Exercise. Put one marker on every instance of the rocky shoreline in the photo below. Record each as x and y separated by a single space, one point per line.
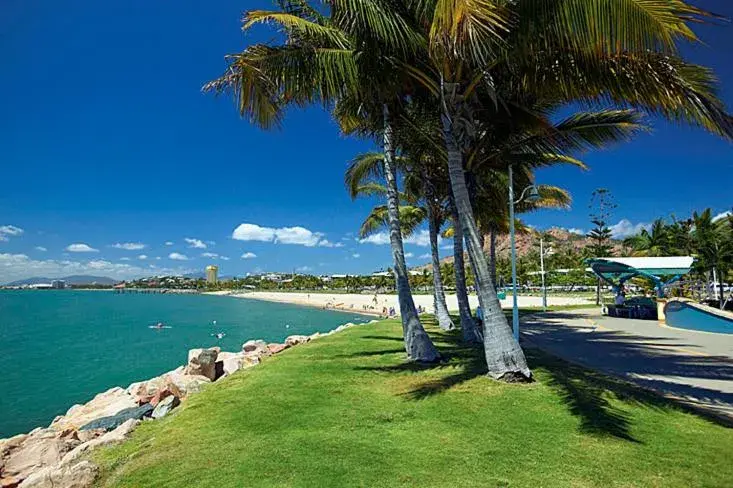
52 457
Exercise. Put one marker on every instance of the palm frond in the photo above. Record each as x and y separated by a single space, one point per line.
315 33
362 169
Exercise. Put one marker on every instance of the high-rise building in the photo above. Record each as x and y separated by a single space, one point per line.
212 274
58 284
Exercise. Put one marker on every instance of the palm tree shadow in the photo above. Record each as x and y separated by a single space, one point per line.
585 394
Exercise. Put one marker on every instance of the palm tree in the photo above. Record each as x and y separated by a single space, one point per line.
419 188
714 244
326 58
654 243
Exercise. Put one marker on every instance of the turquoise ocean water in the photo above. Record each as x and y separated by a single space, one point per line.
58 348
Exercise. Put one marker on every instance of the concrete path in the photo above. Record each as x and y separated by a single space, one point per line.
693 367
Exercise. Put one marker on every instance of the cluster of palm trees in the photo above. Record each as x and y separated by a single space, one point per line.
457 91
708 239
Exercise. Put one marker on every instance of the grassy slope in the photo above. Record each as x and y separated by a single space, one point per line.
348 411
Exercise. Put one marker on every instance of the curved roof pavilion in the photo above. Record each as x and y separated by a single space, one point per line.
661 270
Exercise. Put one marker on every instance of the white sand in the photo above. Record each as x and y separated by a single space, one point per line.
357 303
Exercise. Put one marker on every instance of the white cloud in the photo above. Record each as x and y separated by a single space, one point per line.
124 259
168 243
9 230
409 255
41 248
176 256
195 243
224 258
625 228
297 235
209 255
420 238
327 243
18 266
142 257
80 247
253 232
157 258
574 230
356 255
304 269
425 256
379 239
249 255
129 246
722 215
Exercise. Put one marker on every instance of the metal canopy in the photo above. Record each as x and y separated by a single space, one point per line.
661 270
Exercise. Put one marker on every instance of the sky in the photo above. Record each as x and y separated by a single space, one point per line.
114 163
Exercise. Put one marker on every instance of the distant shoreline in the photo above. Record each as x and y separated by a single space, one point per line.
365 303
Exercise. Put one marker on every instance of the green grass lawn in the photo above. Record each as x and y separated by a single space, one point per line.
347 410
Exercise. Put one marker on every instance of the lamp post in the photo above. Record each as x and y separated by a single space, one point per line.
534 196
542 271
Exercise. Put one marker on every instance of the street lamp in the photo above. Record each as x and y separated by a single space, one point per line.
542 268
533 196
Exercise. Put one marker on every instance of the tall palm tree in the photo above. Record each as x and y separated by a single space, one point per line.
714 246
419 203
325 58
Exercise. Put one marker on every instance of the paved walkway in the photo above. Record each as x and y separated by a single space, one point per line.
694 367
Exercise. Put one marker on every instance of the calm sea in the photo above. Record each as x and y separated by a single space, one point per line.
58 348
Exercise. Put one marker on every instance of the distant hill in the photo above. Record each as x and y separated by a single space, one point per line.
70 280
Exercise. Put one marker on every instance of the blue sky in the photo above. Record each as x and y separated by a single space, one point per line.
106 138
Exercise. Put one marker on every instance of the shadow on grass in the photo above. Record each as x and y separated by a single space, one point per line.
587 394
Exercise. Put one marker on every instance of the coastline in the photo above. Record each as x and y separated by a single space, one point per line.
367 305
55 454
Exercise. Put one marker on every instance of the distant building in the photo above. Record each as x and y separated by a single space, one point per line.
212 274
58 284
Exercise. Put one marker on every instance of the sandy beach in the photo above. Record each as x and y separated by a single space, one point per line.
369 304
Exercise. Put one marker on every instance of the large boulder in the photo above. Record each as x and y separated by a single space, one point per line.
165 406
186 383
114 421
294 340
253 346
276 348
202 362
42 448
105 404
230 362
144 391
118 435
80 475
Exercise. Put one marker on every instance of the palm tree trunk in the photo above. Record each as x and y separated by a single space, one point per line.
441 308
418 345
492 255
468 325
504 357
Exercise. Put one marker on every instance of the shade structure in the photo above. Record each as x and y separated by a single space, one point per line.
661 270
